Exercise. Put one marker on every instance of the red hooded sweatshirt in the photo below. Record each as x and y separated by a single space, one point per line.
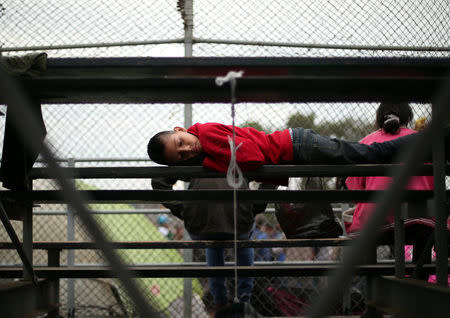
257 148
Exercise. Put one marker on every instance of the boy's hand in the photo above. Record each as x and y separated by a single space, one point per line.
166 184
420 124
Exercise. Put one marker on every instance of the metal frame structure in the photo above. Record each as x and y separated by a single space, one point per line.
162 196
191 80
280 80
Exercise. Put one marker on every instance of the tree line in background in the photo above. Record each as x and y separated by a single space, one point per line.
347 128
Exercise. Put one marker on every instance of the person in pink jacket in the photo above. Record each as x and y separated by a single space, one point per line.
391 120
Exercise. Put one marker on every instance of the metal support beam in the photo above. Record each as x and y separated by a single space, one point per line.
403 297
23 299
27 237
260 196
188 18
54 261
71 253
27 264
440 207
266 79
285 243
399 244
268 171
170 271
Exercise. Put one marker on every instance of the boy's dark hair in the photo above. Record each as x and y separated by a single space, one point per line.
390 116
156 147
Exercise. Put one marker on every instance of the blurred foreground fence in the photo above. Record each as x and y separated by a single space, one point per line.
272 296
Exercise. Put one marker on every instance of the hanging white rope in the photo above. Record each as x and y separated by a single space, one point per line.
234 173
233 168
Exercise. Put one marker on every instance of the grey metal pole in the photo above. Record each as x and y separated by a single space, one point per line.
399 242
70 253
27 236
440 209
27 264
188 50
188 20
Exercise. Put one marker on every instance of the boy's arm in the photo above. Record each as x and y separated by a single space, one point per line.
166 184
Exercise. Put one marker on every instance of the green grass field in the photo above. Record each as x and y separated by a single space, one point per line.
138 227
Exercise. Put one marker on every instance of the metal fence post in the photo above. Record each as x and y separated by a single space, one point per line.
187 255
70 254
27 237
399 241
440 209
346 289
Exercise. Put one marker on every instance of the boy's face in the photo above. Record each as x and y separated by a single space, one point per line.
181 146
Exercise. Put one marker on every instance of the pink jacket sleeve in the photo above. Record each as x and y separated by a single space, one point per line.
356 183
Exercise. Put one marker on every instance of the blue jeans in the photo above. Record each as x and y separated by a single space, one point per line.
312 148
215 257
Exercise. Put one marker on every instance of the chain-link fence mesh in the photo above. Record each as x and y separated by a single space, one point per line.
274 28
116 135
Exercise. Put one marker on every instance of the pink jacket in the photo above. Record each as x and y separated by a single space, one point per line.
363 210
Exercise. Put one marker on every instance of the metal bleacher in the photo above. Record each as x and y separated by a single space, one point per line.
191 80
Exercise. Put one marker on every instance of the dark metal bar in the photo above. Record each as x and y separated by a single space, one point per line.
54 261
402 297
170 271
188 244
287 243
71 253
27 237
188 20
16 243
440 207
267 89
190 80
258 65
399 243
53 256
268 171
260 196
25 299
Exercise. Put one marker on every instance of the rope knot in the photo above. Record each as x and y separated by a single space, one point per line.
230 77
233 168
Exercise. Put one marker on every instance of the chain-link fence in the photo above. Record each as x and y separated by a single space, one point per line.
117 134
244 28
272 296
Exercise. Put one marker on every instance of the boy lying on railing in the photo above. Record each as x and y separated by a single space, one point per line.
208 144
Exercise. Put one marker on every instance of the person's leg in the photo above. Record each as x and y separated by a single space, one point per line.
215 257
245 257
312 148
